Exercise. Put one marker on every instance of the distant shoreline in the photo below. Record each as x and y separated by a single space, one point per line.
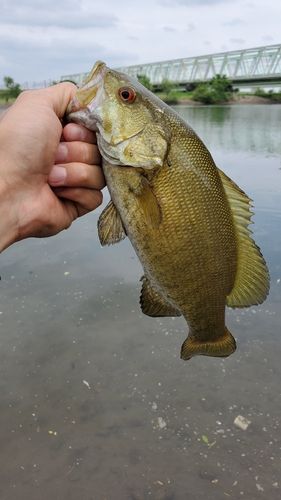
235 101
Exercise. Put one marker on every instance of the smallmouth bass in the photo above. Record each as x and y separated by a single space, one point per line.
187 221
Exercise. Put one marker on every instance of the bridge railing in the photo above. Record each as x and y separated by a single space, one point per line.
262 64
240 65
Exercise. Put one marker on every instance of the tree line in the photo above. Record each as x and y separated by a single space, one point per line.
12 90
218 89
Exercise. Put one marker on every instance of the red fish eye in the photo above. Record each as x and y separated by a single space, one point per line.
127 94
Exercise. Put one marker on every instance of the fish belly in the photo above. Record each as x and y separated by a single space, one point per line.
188 251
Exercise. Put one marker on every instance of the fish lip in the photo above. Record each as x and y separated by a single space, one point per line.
76 105
95 76
82 119
72 107
94 79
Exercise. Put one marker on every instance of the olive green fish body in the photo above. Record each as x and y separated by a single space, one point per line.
186 220
173 245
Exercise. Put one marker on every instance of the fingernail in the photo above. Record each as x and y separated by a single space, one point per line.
76 132
57 175
61 153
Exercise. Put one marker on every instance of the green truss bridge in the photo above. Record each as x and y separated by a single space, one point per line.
249 68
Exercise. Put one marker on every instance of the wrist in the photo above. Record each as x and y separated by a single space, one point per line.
8 190
9 223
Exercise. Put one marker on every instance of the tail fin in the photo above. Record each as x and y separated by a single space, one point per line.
221 347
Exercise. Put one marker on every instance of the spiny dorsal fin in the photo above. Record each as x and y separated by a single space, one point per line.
153 304
110 227
251 285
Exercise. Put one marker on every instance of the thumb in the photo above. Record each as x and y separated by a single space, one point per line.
59 96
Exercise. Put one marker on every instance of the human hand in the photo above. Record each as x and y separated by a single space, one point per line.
45 184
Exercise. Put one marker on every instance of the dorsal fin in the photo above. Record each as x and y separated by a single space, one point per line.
251 284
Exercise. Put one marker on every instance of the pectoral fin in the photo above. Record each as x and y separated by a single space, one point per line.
153 304
110 227
148 206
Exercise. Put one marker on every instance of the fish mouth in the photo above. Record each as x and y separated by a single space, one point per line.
96 74
88 97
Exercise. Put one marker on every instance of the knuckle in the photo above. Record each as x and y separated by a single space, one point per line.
85 176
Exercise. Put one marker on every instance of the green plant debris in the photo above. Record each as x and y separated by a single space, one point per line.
206 440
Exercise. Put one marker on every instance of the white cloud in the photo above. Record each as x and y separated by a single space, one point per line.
189 3
69 14
233 22
191 27
237 40
44 39
169 29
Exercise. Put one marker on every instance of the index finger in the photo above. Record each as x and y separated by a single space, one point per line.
76 132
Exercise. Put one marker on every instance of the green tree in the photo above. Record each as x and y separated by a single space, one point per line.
167 86
145 81
261 93
13 89
218 89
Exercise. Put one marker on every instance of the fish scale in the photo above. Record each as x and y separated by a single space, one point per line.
187 221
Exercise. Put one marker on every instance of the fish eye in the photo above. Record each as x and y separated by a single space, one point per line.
127 94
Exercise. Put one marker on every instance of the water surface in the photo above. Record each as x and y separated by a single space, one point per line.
70 315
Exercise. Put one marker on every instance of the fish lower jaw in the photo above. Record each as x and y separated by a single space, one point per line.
82 119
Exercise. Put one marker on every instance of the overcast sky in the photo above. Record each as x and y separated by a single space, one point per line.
45 39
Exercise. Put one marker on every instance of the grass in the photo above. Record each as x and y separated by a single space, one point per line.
274 96
3 98
175 96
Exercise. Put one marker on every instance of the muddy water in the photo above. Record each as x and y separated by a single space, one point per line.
95 401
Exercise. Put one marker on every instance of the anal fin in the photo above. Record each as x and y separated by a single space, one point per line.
153 304
110 227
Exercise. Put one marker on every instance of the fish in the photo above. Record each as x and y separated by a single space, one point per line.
186 219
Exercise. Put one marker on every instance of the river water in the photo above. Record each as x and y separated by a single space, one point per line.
95 401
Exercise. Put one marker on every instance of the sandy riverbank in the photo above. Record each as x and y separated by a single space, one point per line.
235 100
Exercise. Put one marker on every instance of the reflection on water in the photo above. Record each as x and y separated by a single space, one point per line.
70 315
220 127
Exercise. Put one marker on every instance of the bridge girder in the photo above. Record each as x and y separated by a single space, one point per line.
258 65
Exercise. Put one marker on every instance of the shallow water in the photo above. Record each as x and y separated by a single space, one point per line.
70 315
